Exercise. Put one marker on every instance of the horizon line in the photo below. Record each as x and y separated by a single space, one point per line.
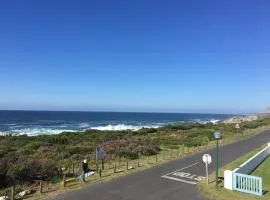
104 111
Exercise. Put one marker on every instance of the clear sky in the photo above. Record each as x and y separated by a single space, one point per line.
135 55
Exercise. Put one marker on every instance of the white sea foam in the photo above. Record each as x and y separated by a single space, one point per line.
122 127
213 121
39 131
84 125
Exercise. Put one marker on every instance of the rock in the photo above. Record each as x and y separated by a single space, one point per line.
4 198
23 193
239 119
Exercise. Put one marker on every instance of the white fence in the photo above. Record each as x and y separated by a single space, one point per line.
233 182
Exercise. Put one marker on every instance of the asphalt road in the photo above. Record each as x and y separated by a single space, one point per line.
173 180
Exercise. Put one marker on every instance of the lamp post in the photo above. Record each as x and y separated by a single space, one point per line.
217 137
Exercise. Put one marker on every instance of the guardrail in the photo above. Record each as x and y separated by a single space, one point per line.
248 166
248 184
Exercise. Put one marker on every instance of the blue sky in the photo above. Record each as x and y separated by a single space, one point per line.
162 56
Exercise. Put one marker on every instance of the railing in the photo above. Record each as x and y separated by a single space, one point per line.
248 184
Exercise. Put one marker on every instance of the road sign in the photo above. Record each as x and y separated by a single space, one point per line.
217 135
100 153
207 159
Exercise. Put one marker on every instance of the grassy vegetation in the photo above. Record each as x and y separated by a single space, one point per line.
24 159
211 192
264 171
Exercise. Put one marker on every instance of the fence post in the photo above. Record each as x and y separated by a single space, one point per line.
96 165
12 193
114 167
64 180
127 164
73 169
164 156
61 171
40 187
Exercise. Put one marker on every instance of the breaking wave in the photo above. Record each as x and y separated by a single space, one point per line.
122 127
38 131
41 129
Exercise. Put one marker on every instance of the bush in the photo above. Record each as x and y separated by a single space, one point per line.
196 141
176 127
145 131
33 145
81 150
58 139
32 169
173 146
128 154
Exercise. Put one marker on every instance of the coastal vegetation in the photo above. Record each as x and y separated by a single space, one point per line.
24 159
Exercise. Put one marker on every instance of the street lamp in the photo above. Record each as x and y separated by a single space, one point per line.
217 137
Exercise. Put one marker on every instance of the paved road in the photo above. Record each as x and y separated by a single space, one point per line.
174 180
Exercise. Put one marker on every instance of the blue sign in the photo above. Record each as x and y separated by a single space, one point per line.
100 153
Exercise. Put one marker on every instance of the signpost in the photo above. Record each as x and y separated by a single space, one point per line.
207 159
237 128
100 155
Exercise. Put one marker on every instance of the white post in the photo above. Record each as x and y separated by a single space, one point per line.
228 179
207 178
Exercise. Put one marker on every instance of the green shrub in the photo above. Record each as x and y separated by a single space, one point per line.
58 139
195 141
173 146
33 145
128 154
145 131
81 150
32 169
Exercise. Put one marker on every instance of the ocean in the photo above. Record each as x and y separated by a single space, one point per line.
55 122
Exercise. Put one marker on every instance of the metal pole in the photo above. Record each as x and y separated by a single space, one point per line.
217 165
40 185
207 178
73 169
12 193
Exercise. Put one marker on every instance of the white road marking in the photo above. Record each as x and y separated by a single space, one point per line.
185 175
181 180
182 168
